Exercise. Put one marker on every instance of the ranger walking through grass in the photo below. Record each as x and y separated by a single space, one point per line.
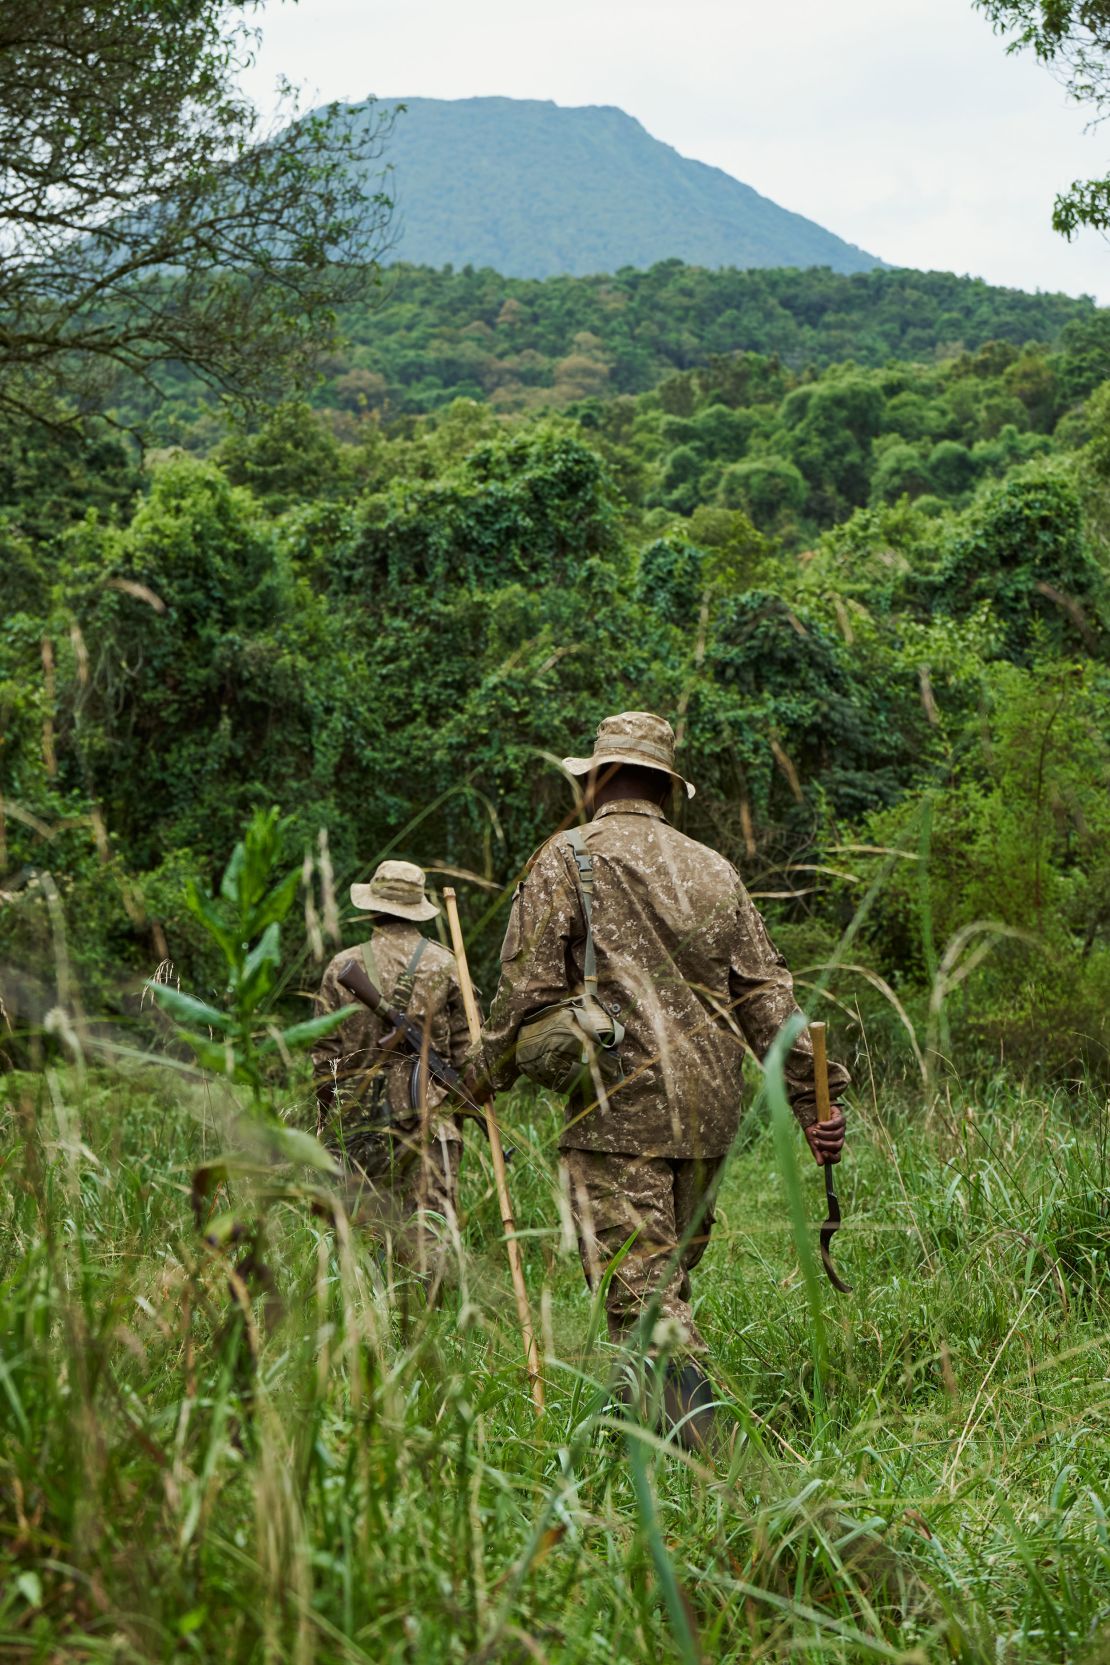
371 1094
629 933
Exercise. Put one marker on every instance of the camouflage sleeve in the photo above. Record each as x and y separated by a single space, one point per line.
763 991
329 1048
543 920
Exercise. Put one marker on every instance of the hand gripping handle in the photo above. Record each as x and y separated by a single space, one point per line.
824 1114
821 1072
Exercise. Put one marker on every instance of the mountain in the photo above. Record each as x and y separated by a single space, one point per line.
534 189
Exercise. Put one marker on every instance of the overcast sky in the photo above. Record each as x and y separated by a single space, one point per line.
900 125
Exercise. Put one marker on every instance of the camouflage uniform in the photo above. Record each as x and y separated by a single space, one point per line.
400 1170
684 954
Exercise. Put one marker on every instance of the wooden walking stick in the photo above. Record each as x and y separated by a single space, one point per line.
824 1112
497 1157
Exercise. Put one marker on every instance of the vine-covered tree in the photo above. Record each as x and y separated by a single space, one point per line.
146 220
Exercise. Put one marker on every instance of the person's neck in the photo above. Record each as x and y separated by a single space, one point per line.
606 796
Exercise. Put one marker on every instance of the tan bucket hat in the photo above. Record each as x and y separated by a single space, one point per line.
397 888
638 737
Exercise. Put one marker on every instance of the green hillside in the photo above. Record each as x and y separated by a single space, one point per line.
533 189
519 344
440 335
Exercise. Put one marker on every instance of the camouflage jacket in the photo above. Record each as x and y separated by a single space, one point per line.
349 1056
684 954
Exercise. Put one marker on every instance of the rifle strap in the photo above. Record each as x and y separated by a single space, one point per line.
406 983
584 863
401 996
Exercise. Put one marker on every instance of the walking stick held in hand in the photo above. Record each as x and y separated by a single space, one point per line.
824 1112
497 1157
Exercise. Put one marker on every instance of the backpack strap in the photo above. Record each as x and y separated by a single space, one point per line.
370 963
584 862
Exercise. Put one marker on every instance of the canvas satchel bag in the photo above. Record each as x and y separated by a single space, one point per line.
577 1040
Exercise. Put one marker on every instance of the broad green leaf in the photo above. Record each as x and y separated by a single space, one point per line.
185 1008
215 1056
211 1174
257 977
229 884
312 1029
293 1145
276 905
262 848
204 908
29 1586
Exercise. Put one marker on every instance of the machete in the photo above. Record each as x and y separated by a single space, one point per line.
824 1112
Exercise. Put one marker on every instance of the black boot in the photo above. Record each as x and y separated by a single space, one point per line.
688 1404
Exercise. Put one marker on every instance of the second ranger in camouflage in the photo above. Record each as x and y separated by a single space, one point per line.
369 1109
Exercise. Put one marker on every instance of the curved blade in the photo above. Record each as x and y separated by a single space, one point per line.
831 1224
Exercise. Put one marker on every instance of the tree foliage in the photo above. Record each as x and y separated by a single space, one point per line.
146 221
735 339
1073 38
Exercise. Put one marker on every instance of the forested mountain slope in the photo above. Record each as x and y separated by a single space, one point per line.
438 335
533 188
517 345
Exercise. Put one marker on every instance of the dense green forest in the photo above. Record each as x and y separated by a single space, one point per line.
873 596
432 337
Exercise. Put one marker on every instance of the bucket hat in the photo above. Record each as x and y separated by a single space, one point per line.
637 737
397 888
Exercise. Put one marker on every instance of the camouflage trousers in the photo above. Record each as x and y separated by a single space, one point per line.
656 1198
406 1192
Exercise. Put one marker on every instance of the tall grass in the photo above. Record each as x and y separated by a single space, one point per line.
350 1476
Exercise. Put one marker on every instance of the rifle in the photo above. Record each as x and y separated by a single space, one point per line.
355 981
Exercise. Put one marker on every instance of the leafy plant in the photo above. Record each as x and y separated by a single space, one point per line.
243 1040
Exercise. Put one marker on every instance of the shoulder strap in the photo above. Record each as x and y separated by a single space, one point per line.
584 862
370 964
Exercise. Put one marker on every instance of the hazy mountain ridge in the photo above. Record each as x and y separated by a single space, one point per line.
535 189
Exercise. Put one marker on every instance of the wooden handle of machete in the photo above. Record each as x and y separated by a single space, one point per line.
821 1071
497 1157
